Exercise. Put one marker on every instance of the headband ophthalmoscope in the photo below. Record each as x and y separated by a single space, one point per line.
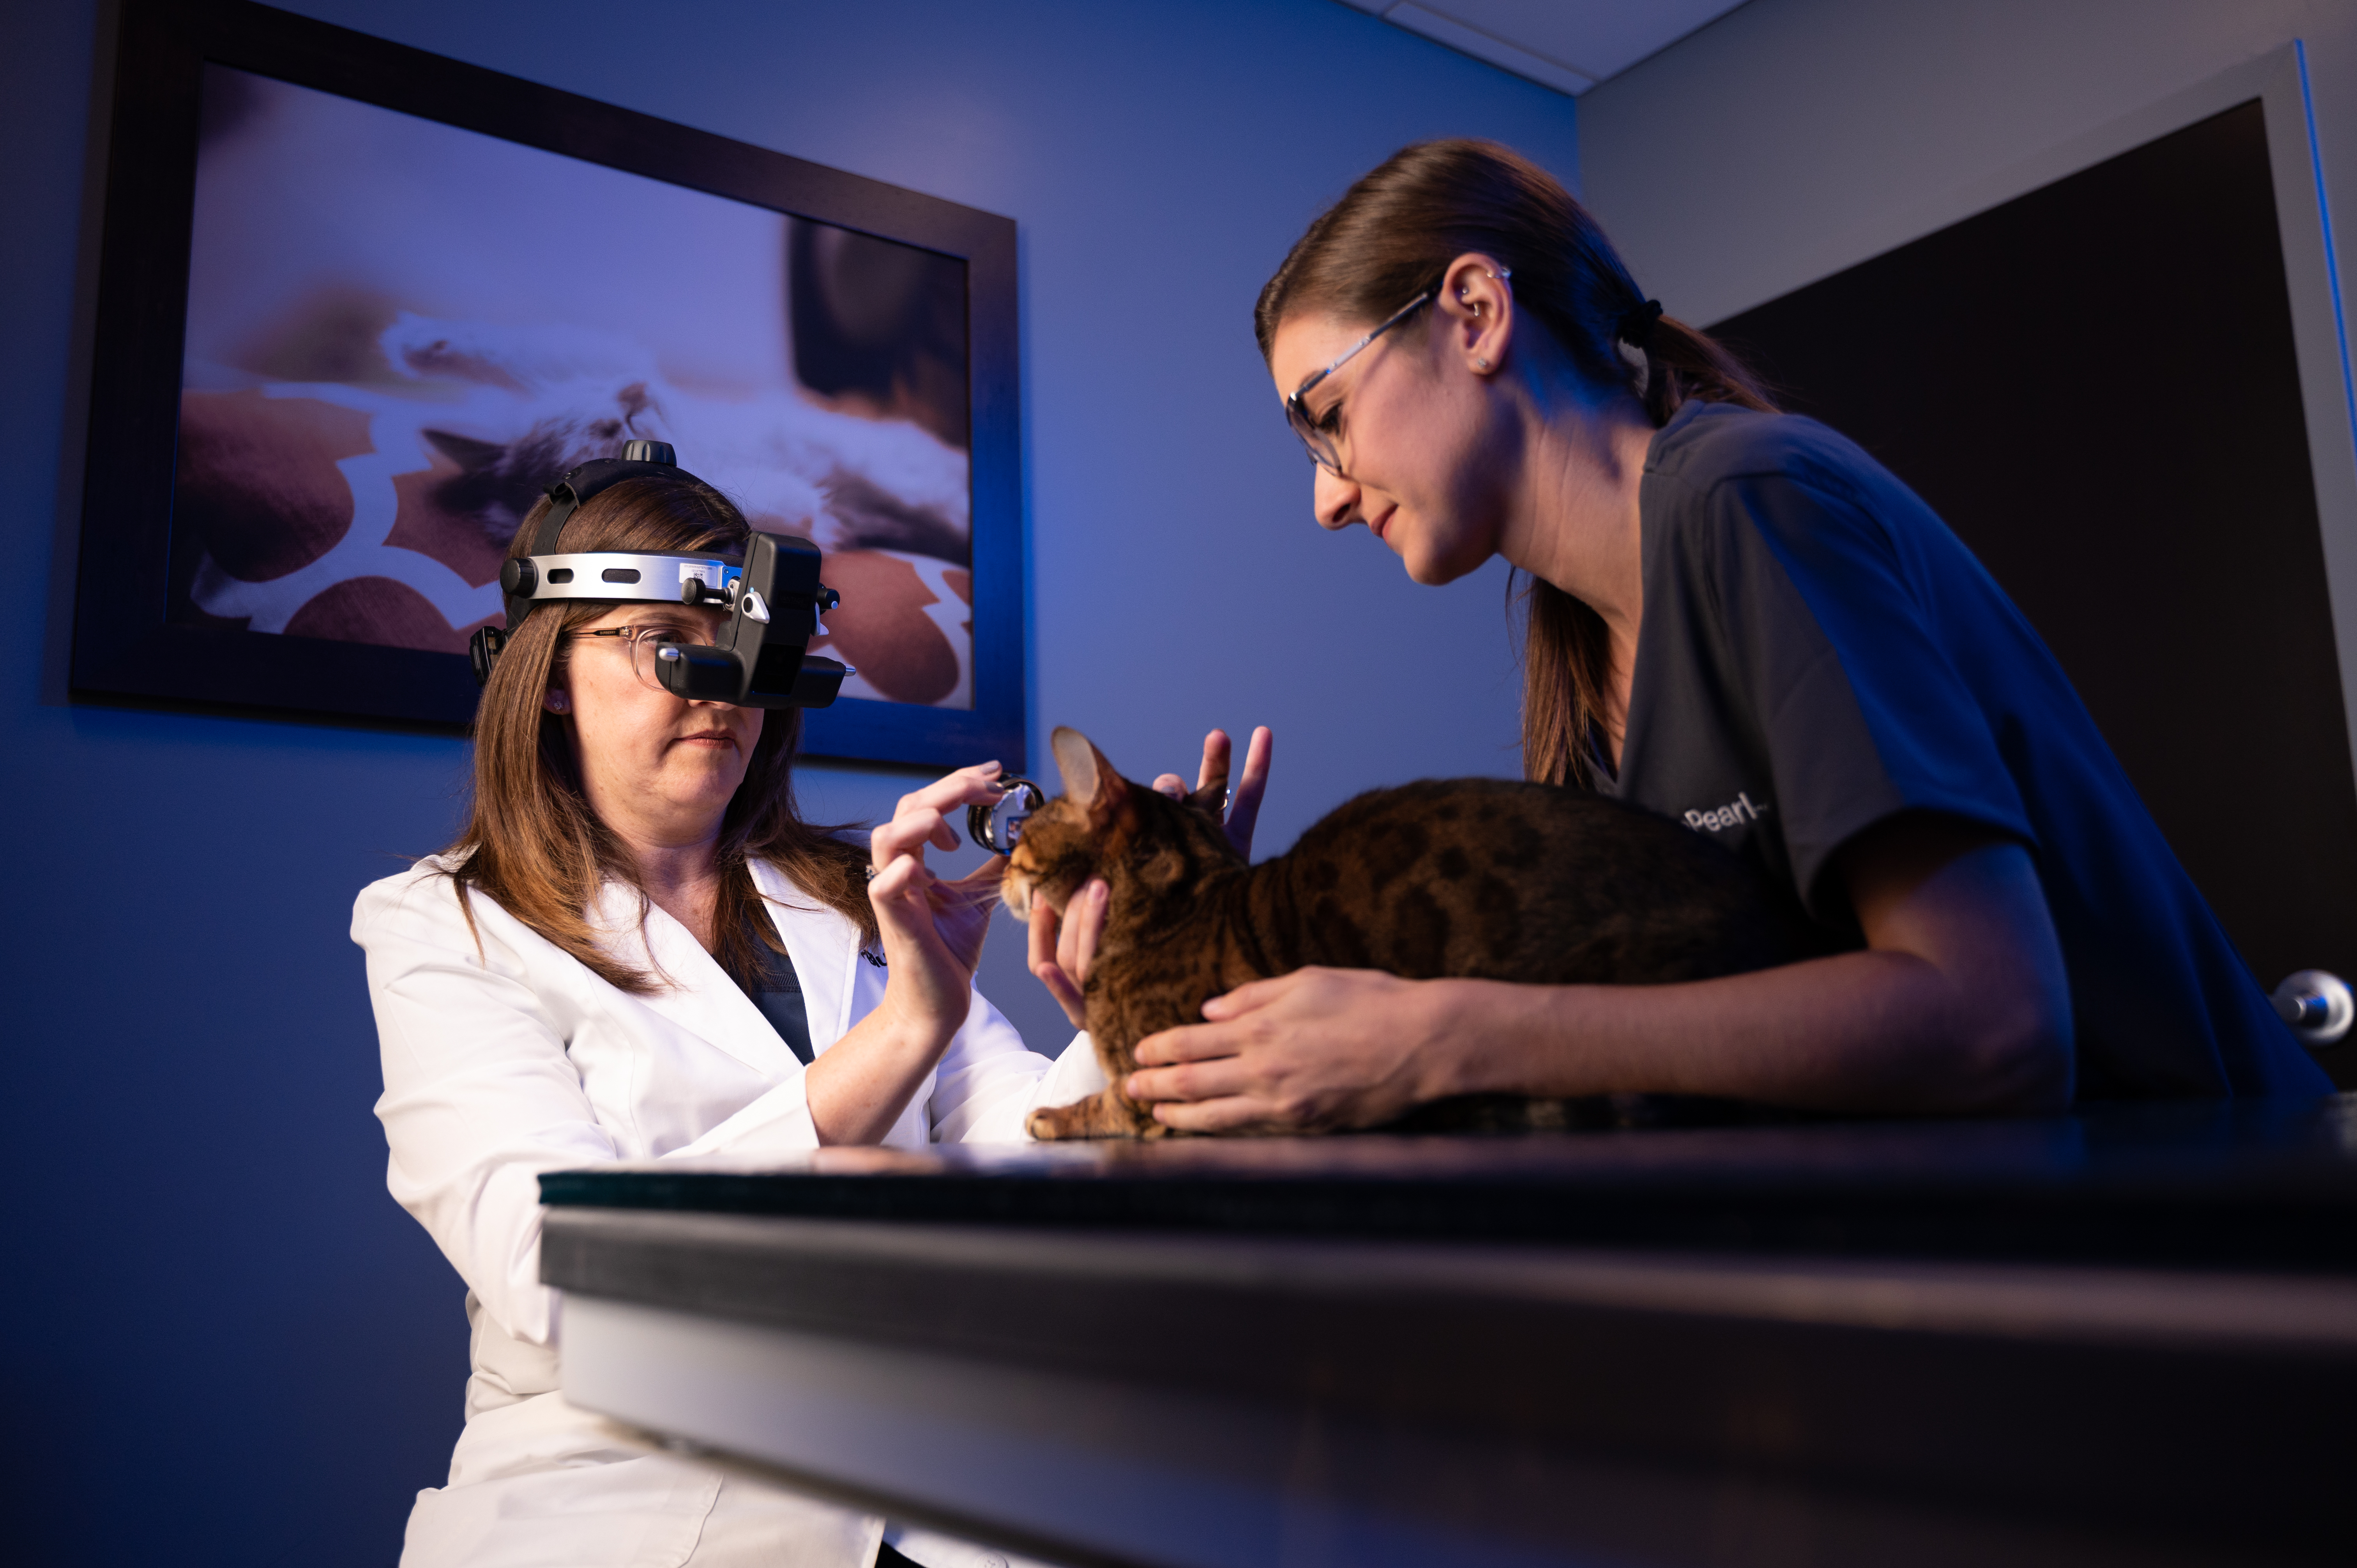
761 658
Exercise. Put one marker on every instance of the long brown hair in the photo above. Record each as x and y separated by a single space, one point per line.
533 844
1393 234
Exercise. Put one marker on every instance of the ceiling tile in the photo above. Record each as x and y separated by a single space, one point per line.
1482 46
1594 39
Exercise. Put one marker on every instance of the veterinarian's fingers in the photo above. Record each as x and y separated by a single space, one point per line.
975 783
1042 953
962 901
894 885
1076 1009
1083 929
1170 784
909 830
965 787
1244 793
1040 941
982 884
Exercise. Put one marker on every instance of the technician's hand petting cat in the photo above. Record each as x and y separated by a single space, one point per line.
1481 879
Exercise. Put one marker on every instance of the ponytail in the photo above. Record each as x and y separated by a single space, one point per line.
1671 361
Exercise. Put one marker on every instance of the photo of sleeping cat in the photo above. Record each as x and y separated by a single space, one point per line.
1482 878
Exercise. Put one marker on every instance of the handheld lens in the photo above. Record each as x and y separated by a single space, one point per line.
997 825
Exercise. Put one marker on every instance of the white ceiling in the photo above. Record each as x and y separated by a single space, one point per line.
1568 45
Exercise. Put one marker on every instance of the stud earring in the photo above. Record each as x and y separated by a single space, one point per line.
1481 364
559 702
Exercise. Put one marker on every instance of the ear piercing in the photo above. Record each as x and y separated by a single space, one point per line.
559 702
1461 293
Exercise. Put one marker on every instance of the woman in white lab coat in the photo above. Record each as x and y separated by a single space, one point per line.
610 963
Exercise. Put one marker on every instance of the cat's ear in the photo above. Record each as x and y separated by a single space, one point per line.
465 450
1212 795
1089 778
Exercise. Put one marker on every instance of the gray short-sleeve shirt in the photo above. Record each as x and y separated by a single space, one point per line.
1819 652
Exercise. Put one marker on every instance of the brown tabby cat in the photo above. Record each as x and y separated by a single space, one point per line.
1481 879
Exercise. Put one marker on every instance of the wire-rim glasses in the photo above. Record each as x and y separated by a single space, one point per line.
646 642
1320 443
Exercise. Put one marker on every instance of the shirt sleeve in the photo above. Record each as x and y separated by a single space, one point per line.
779 1122
480 1097
1839 659
989 1081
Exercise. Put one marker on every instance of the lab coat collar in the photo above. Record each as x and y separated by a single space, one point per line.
824 948
701 999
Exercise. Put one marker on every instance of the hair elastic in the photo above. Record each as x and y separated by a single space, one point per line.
1637 326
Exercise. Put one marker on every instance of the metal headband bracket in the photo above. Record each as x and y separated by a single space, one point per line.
771 598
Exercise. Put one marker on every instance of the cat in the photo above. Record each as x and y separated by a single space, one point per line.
541 399
1486 878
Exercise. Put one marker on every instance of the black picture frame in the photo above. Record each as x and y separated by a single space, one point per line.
124 649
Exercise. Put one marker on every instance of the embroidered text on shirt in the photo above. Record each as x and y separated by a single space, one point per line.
1734 814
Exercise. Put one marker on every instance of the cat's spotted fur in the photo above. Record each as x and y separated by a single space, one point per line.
1476 878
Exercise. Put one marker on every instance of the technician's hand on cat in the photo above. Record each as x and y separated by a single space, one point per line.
931 930
1062 944
1317 1050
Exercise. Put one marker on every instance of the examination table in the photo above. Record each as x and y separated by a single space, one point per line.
2124 1336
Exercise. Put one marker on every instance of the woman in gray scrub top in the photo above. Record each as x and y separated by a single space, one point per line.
1739 620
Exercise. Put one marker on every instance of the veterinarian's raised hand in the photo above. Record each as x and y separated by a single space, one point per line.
1315 1050
931 930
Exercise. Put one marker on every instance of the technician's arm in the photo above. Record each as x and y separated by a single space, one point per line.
1959 1005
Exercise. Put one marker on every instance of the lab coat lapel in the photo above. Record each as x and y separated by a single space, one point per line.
701 999
824 948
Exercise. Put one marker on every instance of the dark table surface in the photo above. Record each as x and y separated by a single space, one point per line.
2268 1184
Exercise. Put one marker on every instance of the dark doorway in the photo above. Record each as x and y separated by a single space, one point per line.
2095 385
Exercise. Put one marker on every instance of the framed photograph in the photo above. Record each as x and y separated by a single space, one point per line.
357 305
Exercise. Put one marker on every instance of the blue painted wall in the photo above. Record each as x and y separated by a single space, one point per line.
222 1342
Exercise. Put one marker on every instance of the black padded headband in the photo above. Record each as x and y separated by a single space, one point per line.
573 492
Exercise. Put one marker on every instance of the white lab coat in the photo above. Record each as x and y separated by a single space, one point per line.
508 1060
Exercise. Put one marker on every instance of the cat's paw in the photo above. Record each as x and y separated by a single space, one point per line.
1048 1125
1104 1115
